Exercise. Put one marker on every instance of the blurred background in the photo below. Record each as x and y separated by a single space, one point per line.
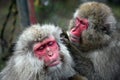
15 16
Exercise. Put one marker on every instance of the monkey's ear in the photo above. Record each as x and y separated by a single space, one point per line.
107 28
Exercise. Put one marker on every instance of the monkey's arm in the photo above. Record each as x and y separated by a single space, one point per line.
83 65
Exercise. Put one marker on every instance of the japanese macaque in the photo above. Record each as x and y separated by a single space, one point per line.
39 55
93 32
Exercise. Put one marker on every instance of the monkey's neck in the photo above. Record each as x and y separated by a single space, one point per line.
97 54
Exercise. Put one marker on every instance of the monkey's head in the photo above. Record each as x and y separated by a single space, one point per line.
92 26
39 50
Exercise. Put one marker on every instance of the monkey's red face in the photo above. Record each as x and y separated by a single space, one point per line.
48 50
80 25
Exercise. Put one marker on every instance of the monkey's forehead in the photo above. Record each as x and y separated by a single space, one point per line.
35 32
41 31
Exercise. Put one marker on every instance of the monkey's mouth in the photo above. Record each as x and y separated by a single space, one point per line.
74 38
54 63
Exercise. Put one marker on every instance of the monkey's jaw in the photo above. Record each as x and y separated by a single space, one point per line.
74 39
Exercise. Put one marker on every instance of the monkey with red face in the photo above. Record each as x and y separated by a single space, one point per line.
92 31
39 55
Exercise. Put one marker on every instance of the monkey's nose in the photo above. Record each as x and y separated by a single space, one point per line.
50 54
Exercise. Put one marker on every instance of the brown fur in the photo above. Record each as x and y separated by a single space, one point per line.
100 42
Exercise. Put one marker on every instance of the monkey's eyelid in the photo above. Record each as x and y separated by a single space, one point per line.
50 43
41 47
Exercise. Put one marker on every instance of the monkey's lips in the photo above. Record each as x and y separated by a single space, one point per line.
73 38
54 63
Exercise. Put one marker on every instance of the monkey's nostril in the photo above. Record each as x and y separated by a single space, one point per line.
50 54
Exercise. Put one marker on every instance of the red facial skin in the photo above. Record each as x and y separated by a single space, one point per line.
48 50
81 24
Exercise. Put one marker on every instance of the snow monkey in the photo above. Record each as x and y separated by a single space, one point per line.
92 31
40 55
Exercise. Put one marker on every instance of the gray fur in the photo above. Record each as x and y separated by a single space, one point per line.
23 65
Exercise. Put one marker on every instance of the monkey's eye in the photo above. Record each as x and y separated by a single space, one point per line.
105 29
50 43
41 47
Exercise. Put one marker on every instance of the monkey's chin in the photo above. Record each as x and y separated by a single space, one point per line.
74 38
55 67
